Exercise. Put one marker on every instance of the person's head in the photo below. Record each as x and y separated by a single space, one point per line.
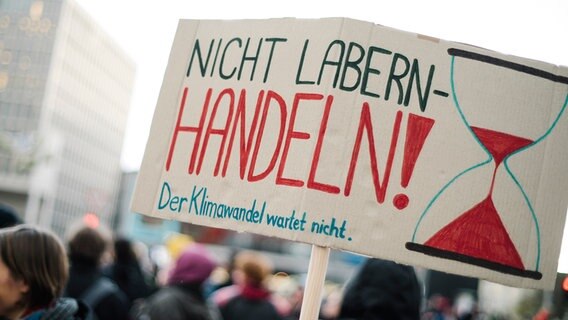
124 251
8 216
33 269
252 267
87 245
382 290
193 266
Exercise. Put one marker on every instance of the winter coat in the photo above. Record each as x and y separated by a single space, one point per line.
252 303
130 279
82 276
176 302
64 309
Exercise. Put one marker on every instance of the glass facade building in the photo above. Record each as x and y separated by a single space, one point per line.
65 90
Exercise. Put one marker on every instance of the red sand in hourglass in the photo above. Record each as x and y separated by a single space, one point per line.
479 232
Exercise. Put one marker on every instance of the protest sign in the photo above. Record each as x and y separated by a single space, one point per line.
350 135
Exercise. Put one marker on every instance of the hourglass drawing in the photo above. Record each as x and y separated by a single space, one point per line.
477 235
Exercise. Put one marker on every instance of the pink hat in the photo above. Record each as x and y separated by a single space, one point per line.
194 265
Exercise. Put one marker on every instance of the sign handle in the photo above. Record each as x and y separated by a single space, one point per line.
314 283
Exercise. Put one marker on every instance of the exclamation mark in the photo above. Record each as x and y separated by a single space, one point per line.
417 130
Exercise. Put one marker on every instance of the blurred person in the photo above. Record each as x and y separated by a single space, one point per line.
162 261
176 243
331 304
287 292
249 298
183 296
148 266
296 298
126 272
33 274
87 247
165 255
439 308
382 290
465 306
221 276
8 216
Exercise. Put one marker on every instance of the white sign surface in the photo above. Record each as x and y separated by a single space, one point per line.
354 136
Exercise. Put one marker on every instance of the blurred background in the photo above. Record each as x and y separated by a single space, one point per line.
79 80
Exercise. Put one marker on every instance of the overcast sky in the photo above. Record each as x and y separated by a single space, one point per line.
145 30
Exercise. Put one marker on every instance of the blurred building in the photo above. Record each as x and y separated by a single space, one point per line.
65 90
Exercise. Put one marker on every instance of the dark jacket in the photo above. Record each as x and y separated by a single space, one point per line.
82 276
130 279
252 304
64 309
382 290
176 302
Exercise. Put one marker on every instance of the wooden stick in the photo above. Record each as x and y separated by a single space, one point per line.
314 283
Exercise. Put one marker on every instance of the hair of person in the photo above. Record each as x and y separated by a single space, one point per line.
255 266
87 244
124 251
384 289
37 257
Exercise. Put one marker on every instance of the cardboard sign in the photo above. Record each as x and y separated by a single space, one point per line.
350 135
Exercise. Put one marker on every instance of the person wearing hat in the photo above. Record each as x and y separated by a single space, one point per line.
182 298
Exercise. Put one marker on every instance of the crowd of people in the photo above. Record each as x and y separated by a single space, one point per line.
89 274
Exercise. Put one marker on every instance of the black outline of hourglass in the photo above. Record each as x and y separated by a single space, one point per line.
440 253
